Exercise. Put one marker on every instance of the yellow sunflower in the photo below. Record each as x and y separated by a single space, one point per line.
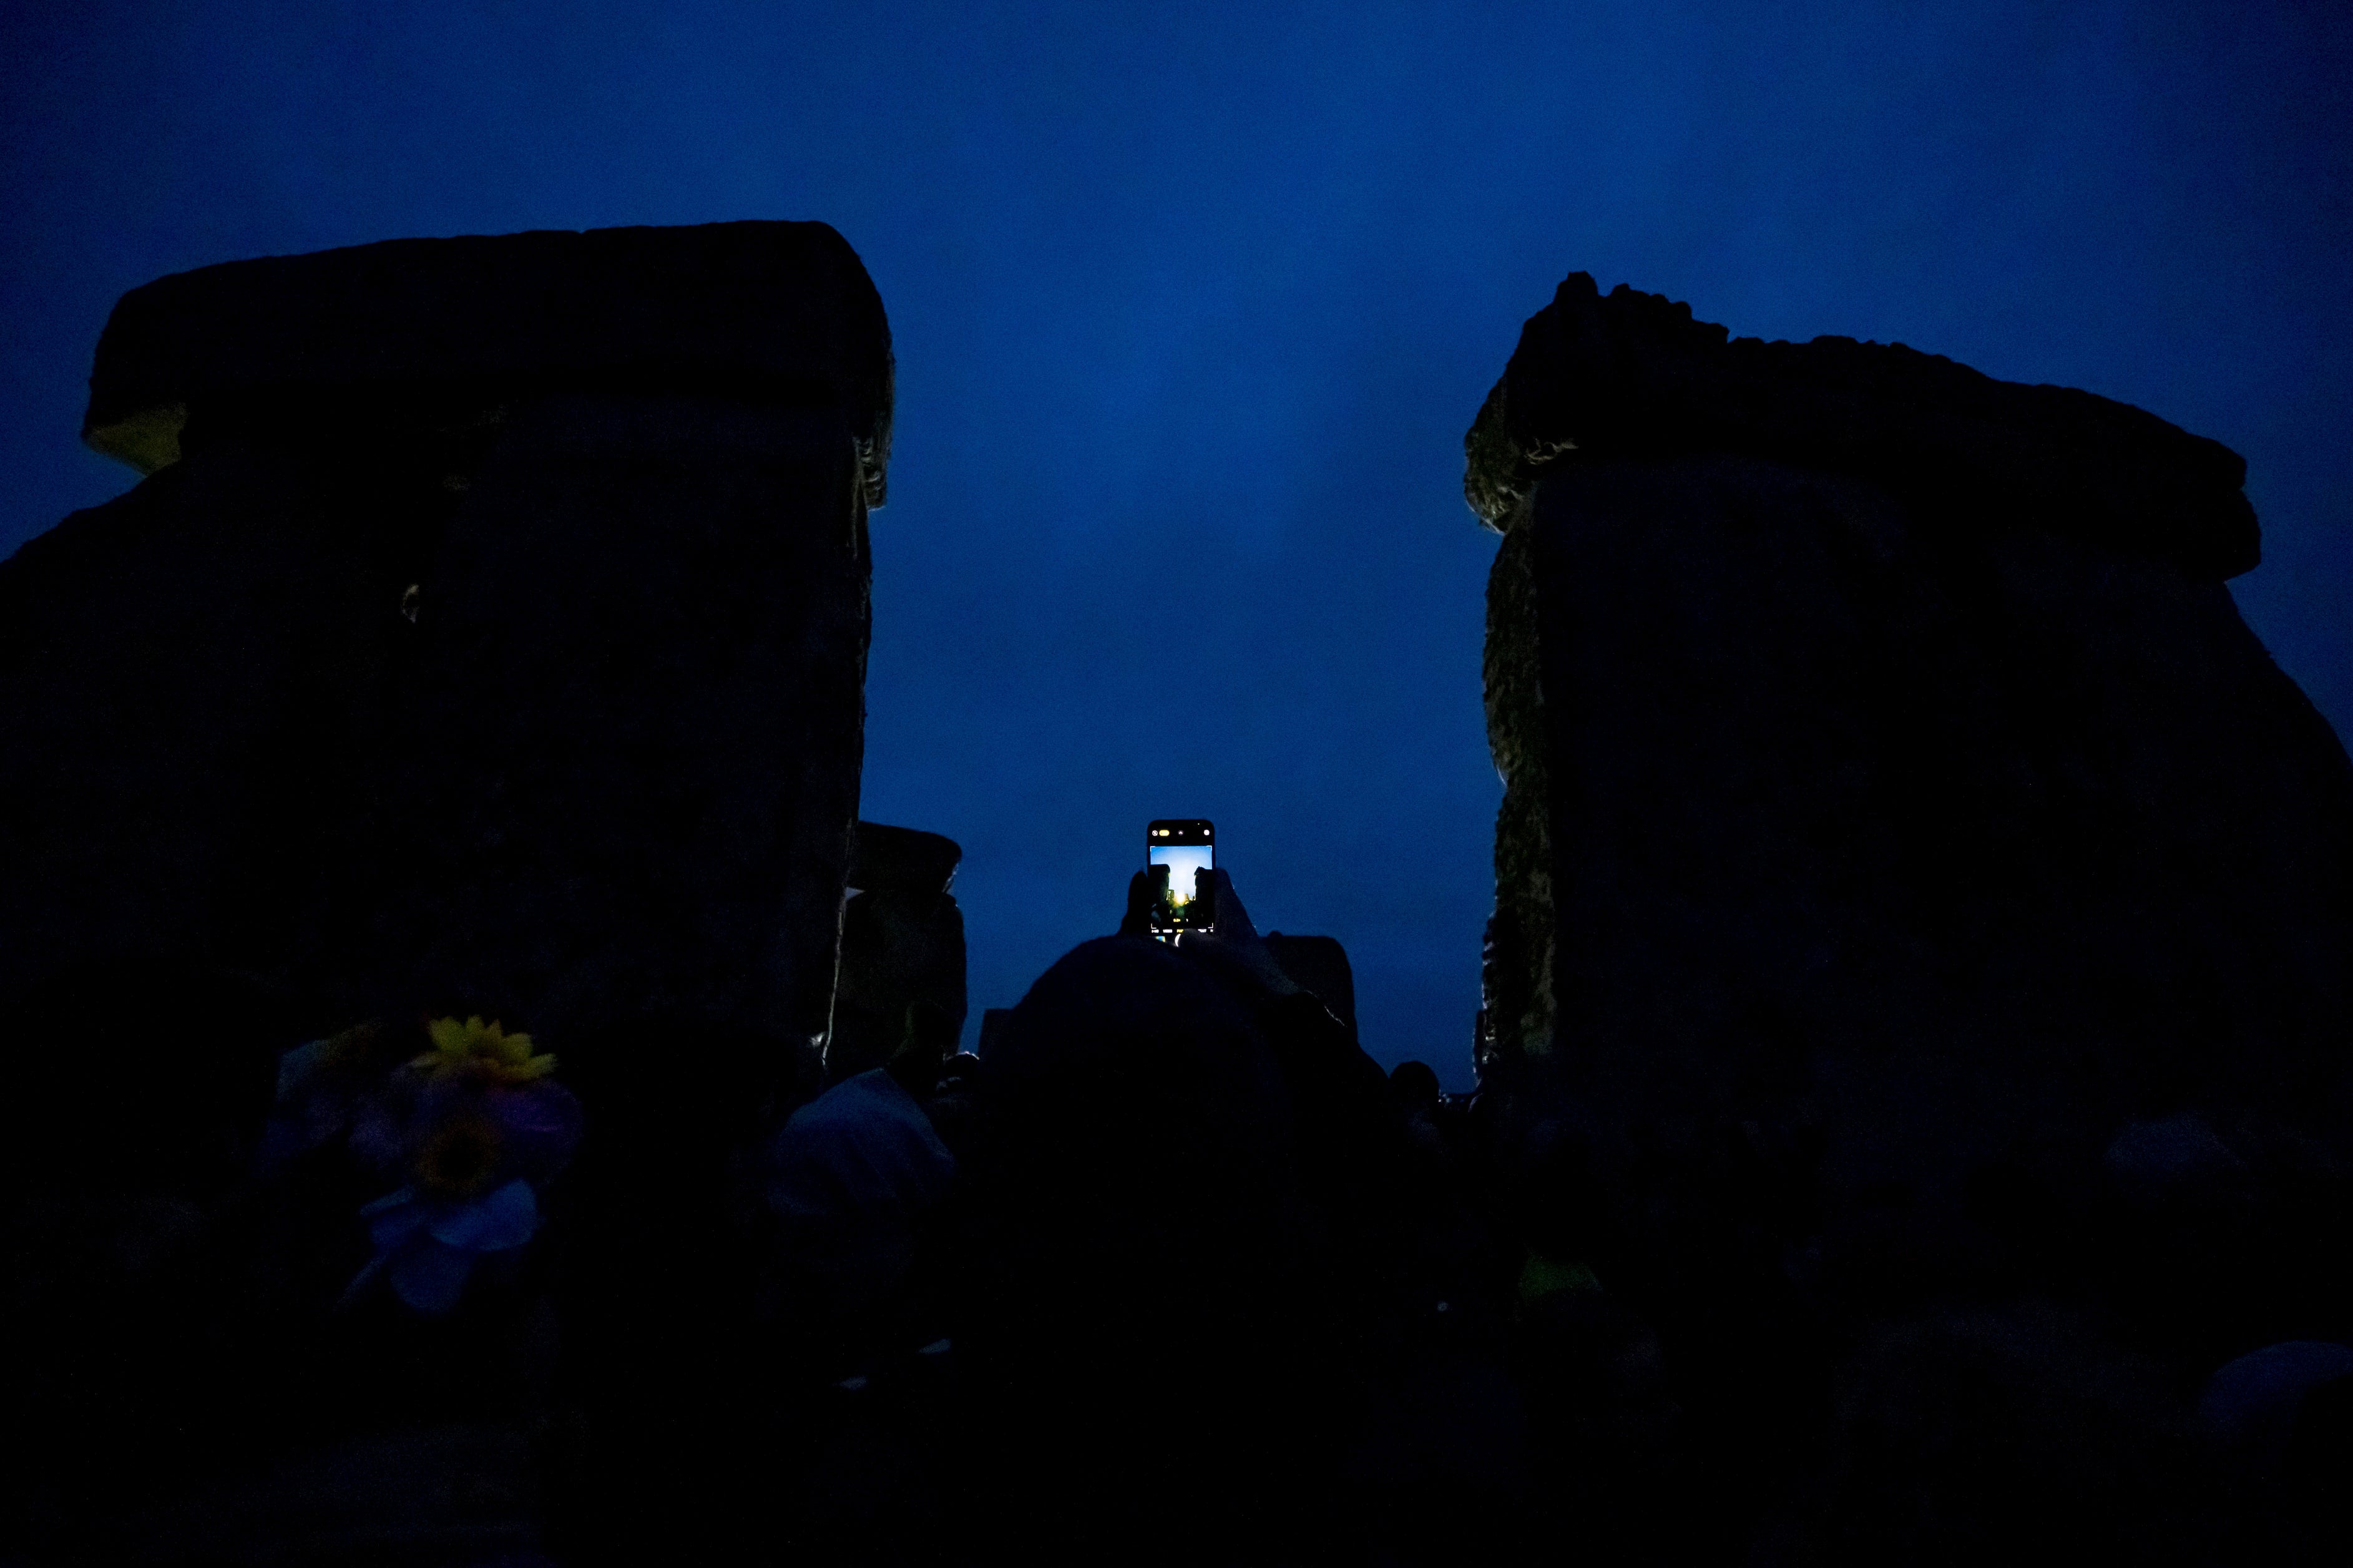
483 1050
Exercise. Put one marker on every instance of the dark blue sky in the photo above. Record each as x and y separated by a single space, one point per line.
1191 313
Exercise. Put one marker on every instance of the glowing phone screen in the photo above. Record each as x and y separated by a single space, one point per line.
1184 846
1181 860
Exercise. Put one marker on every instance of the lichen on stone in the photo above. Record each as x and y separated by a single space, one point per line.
1634 375
1522 1008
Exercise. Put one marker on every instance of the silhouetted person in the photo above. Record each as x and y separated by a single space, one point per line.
1178 1184
1432 1197
852 1179
1415 1085
2017 1436
860 1182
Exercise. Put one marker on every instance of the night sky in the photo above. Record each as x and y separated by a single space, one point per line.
1191 313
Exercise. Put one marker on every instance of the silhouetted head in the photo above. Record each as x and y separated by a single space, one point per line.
927 1038
1137 1243
1135 1128
1414 1086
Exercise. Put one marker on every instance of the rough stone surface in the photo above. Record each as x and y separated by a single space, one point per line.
903 859
464 652
184 681
1906 850
626 752
902 960
768 311
610 767
1976 847
1632 374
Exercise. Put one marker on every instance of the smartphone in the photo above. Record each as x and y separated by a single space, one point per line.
1185 846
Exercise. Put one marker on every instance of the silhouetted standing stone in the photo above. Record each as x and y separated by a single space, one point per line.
488 637
1897 808
902 971
492 630
630 743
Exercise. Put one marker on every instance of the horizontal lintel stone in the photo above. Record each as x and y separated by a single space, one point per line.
1630 374
781 311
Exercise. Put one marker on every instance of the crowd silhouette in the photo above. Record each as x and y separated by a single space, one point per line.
1174 1272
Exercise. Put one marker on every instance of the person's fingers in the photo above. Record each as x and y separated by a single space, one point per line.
1233 920
1236 949
1145 889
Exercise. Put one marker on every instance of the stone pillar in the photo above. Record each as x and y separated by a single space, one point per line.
488 636
627 744
1898 813
902 968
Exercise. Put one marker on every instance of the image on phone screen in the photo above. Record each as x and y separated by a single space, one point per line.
1184 845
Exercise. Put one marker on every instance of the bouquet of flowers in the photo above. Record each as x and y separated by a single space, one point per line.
471 1129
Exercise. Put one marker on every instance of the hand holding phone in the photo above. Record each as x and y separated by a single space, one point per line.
1146 891
1235 945
1186 847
